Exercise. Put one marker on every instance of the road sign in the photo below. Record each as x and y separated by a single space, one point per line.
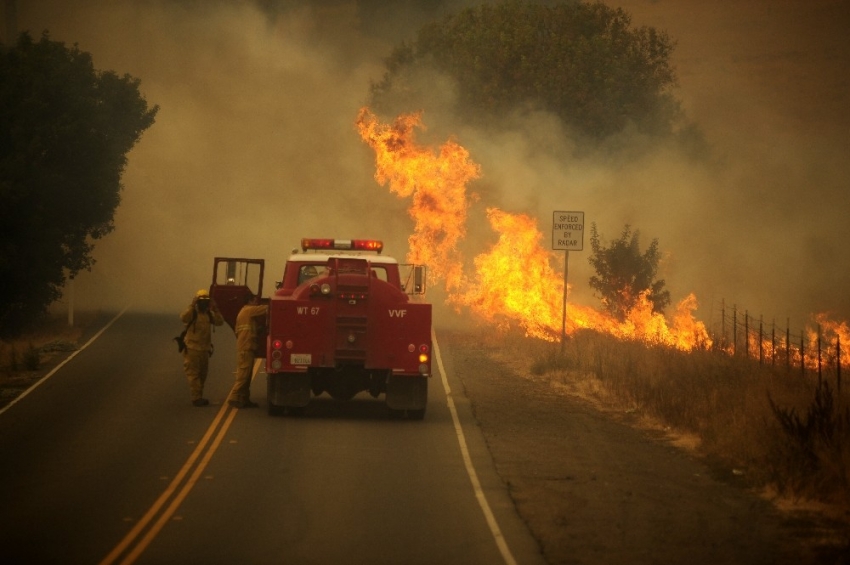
568 231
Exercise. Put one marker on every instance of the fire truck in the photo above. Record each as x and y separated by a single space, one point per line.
344 319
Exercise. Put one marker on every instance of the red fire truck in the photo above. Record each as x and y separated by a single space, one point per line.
343 320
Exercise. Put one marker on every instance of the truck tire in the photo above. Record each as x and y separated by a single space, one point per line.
287 390
407 395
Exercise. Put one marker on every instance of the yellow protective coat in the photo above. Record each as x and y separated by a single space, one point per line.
196 356
199 334
246 343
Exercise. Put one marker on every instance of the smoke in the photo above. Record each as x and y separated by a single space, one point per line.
760 224
255 147
763 227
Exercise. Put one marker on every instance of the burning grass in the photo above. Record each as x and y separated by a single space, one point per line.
781 431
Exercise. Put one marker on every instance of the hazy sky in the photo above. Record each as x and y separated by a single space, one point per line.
255 147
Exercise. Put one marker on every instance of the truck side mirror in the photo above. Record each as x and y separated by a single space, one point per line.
419 279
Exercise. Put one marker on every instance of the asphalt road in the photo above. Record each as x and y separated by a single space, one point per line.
106 461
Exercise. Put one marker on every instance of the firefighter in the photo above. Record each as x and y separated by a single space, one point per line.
199 317
307 273
246 344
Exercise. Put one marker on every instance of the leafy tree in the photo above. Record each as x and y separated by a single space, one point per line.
582 61
65 130
622 273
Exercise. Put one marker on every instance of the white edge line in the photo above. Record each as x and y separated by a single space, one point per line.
470 468
62 364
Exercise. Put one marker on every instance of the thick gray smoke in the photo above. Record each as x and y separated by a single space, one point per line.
766 228
255 147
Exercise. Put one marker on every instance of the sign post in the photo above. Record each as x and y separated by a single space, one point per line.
567 235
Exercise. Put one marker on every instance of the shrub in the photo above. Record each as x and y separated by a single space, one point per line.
811 452
32 358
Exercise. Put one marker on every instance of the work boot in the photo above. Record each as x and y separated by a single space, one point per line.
200 402
242 404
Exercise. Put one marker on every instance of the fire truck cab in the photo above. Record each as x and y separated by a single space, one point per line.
343 319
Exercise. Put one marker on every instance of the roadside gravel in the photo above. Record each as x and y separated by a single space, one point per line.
594 487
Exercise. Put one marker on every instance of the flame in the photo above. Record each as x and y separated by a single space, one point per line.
826 337
436 183
514 282
833 329
515 279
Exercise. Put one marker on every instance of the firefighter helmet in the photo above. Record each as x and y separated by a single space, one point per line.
203 293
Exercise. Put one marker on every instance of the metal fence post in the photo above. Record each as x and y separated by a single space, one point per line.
820 372
773 343
734 329
788 345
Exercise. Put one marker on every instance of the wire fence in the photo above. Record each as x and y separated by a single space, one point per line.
817 348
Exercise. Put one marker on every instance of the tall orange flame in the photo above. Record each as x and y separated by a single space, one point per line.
437 184
515 279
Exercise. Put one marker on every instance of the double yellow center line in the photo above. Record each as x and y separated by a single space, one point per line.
144 532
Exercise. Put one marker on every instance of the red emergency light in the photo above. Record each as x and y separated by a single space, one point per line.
342 244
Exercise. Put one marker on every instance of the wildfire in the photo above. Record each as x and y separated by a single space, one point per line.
437 184
514 282
829 338
515 279
839 330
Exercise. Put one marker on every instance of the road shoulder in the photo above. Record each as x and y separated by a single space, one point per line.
594 488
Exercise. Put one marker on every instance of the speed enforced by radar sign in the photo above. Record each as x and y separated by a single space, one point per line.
568 231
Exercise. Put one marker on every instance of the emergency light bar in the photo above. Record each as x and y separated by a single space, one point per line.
343 244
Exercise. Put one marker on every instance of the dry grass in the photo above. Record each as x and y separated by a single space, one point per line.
783 432
23 360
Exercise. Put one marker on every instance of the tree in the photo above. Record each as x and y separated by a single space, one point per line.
581 61
65 130
623 273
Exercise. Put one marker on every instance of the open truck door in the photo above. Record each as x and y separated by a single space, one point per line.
235 282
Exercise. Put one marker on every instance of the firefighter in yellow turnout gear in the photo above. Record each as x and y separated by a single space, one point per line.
199 317
246 344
